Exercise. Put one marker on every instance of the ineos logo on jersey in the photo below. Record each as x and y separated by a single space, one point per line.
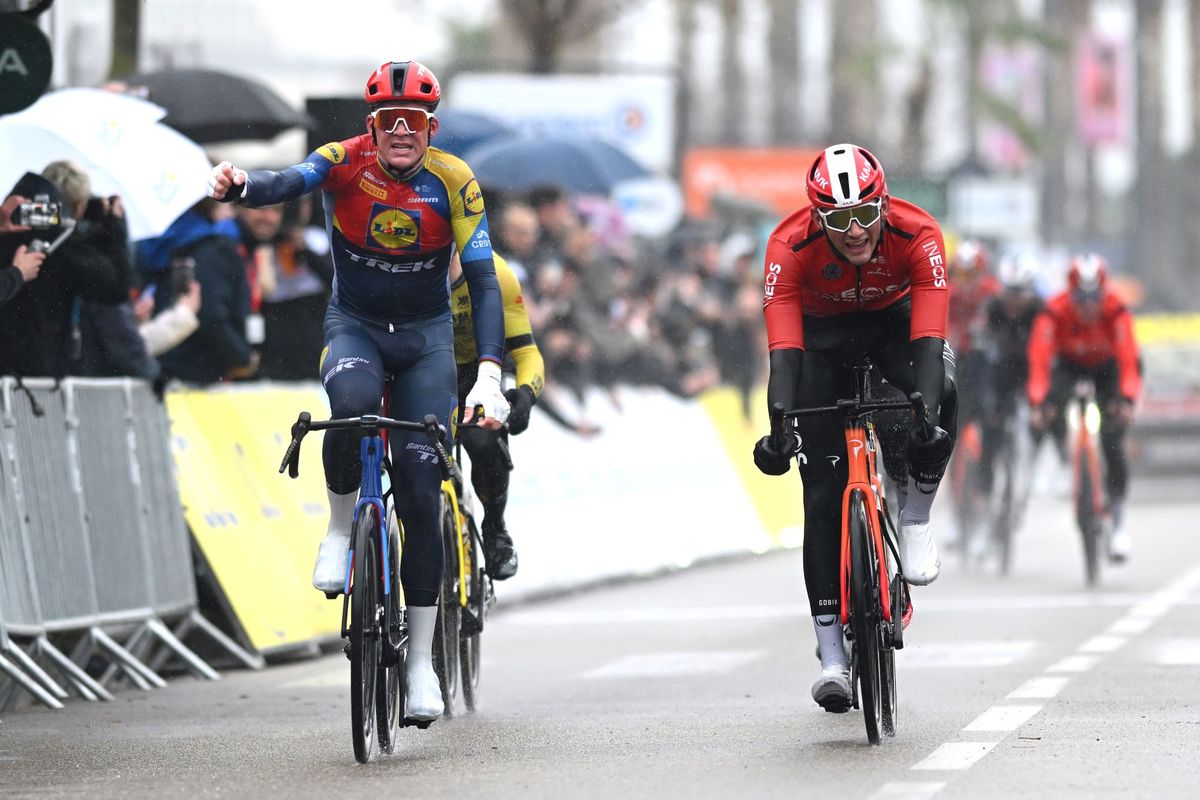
394 229
769 281
937 263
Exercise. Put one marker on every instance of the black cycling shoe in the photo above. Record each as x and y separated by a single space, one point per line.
499 554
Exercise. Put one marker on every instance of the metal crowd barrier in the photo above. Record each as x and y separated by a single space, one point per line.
92 540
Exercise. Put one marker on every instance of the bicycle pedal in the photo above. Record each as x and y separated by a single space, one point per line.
332 595
346 651
422 724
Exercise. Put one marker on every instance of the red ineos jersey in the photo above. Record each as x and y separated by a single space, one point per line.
804 276
1059 331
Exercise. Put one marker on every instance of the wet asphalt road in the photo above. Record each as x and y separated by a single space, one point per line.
696 685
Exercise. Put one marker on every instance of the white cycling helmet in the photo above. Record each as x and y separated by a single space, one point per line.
1018 271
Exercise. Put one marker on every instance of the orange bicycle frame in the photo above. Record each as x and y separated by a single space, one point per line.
864 476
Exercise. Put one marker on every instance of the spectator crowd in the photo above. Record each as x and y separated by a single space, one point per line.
230 293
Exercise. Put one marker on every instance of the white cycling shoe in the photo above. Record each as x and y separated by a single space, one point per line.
1120 546
832 689
333 556
919 554
422 690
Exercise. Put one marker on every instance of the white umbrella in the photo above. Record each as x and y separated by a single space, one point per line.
158 172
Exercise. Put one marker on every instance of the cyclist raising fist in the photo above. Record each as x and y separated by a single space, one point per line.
857 273
397 210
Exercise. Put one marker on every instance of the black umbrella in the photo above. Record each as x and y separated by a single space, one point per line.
211 106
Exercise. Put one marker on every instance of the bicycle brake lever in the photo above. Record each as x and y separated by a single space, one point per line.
922 413
291 459
434 431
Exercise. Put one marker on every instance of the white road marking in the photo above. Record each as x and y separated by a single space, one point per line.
963 654
955 755
1129 626
907 791
329 678
658 665
1179 653
1102 644
1041 687
1002 718
1075 663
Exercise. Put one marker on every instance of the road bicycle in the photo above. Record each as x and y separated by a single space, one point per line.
872 585
373 613
1087 479
1011 484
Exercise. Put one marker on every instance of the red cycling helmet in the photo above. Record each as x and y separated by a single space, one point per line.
1088 273
845 175
403 82
971 256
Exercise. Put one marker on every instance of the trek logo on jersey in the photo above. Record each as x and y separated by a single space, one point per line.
333 152
937 262
371 189
390 266
472 199
394 229
769 281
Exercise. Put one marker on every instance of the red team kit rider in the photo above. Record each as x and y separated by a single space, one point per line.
856 273
396 210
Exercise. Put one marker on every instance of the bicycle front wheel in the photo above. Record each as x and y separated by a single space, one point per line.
1087 510
445 639
865 617
389 686
364 633
470 635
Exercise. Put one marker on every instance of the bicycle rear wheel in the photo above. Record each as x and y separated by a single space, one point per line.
865 617
470 636
1087 512
364 634
445 638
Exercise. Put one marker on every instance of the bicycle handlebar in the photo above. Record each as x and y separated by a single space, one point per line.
430 427
855 408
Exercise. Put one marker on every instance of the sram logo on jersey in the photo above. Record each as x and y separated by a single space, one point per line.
937 262
394 229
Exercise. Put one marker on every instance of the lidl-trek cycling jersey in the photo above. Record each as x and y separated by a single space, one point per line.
392 240
519 343
805 276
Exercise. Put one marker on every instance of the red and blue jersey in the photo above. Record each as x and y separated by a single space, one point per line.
392 240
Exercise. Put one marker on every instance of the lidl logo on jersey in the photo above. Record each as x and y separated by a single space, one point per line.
472 198
395 229
334 152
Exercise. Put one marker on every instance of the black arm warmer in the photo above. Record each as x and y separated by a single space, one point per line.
930 369
785 377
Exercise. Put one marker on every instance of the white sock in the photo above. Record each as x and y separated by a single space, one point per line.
829 640
341 512
918 501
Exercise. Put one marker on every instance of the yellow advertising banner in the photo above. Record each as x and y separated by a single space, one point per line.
258 529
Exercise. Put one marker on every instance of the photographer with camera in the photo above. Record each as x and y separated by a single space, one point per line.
39 330
24 263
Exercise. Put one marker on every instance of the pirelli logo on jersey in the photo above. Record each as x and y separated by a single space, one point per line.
394 229
333 152
472 199
372 189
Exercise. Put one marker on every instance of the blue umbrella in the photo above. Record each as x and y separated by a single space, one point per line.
460 131
578 164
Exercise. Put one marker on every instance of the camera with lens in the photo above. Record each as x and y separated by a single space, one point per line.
39 214
183 272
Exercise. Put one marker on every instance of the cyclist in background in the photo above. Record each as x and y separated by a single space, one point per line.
972 285
1086 333
858 272
397 211
1007 323
491 461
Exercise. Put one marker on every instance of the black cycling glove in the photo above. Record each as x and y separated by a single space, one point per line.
927 458
520 403
771 460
